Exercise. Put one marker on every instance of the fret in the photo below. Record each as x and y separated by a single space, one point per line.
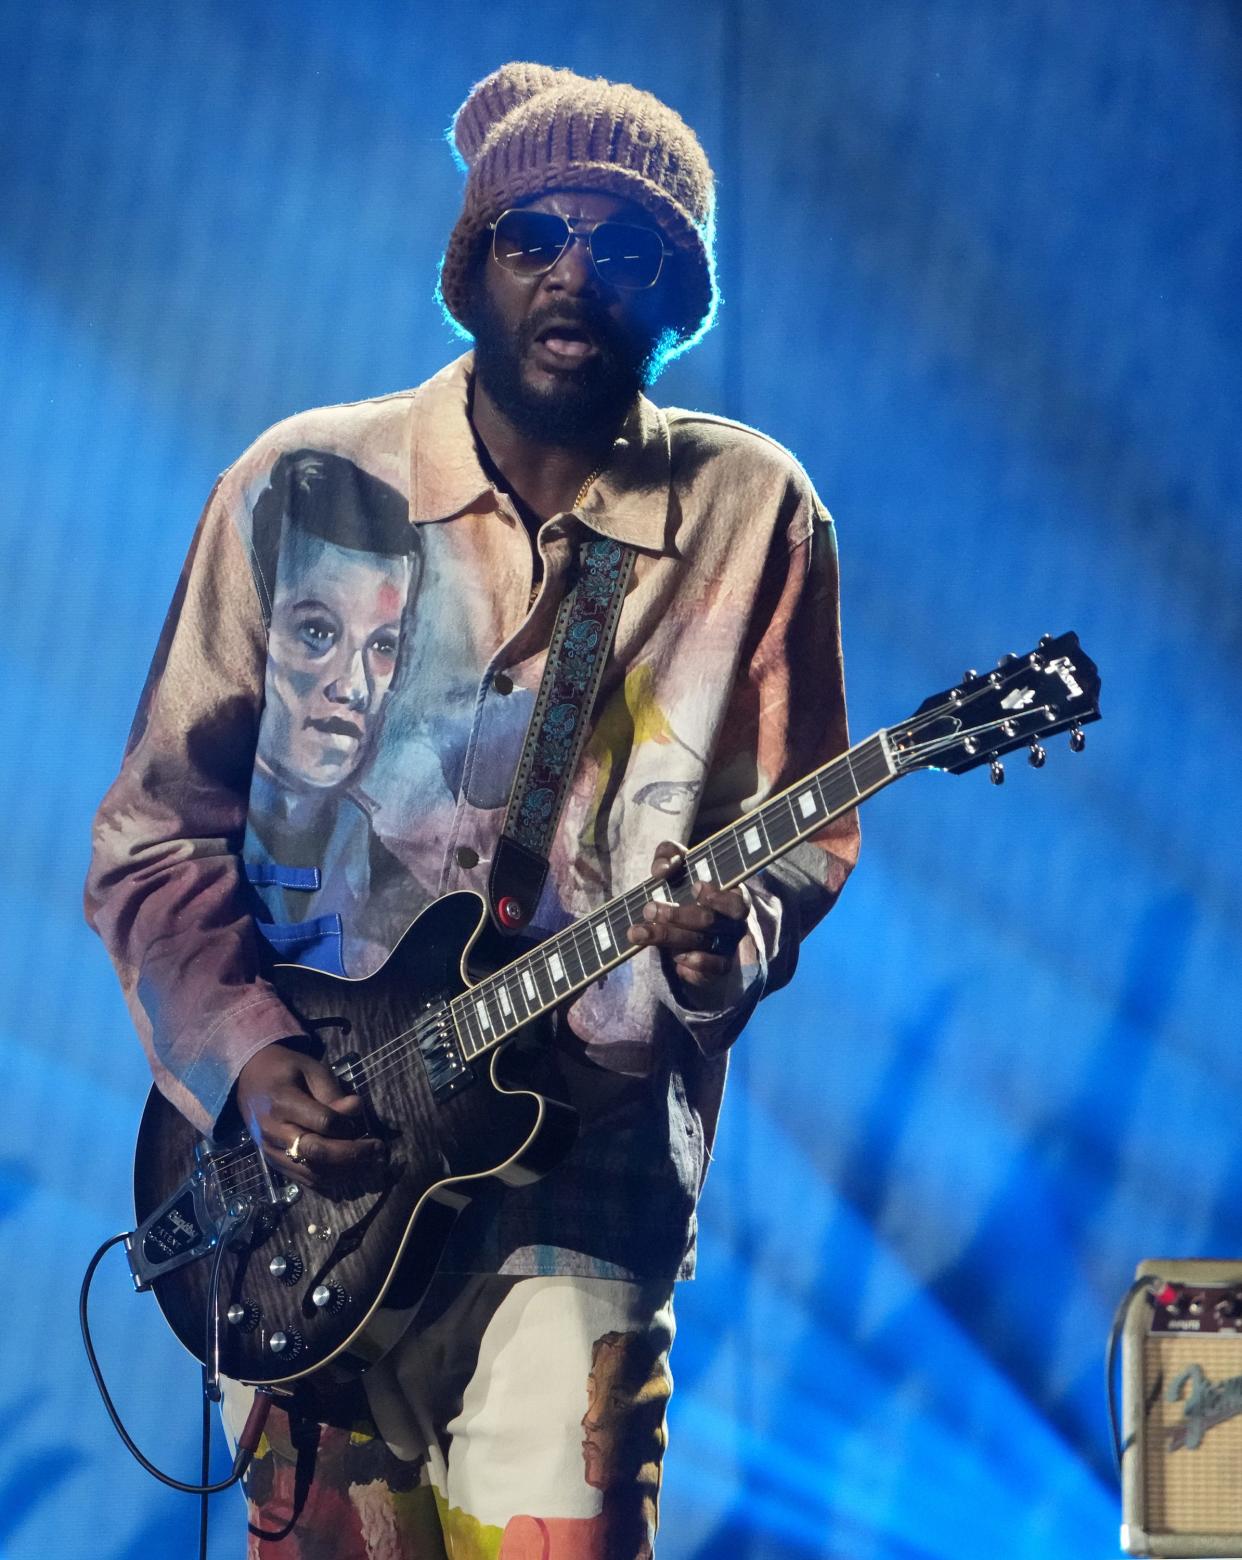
500 1023
545 984
619 922
780 826
586 950
809 804
873 761
545 976
838 786
730 863
567 949
467 1030
529 990
516 992
487 1010
751 841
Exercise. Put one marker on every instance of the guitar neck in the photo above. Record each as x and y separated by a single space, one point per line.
542 979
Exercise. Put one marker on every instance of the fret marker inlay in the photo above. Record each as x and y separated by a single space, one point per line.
751 841
506 1006
555 965
528 986
481 1009
806 803
603 936
703 870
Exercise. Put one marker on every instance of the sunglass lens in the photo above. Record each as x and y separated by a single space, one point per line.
625 255
529 241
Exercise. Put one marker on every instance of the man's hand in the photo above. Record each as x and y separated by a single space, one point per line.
698 940
287 1098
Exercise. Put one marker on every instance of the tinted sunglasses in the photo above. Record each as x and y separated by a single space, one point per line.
529 243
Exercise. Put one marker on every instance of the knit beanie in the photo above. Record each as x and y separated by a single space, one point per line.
526 130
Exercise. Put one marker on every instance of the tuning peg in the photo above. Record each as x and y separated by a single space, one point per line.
1038 758
1006 660
1044 641
1078 739
969 674
997 771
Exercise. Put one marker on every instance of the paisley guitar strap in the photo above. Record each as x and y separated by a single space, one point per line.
581 639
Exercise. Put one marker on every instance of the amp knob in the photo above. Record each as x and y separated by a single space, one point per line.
287 1344
287 1267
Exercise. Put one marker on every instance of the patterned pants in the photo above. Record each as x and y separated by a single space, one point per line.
522 1419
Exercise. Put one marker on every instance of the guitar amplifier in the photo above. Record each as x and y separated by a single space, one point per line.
1181 1479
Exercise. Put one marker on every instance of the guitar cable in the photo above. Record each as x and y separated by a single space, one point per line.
247 1441
1156 1288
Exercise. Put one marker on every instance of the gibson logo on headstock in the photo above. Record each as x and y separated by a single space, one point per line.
1064 668
1208 1403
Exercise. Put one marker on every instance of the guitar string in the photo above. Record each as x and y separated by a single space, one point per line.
580 937
395 1052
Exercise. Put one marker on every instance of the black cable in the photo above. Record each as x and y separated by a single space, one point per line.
204 1471
1110 1362
246 1443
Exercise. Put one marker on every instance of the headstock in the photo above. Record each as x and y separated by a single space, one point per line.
1054 687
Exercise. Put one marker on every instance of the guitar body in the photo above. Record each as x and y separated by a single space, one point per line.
450 1129
308 1283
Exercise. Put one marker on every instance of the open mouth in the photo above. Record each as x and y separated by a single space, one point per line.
566 343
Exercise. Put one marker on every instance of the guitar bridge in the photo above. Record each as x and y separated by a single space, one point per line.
220 1190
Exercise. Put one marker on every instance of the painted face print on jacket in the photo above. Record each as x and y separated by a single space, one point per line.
334 546
336 630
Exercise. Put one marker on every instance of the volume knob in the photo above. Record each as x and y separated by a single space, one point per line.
328 1297
287 1267
286 1344
244 1317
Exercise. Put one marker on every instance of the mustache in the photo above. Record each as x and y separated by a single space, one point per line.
585 316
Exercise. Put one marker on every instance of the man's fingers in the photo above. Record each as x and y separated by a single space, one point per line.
730 902
669 855
303 1113
321 1162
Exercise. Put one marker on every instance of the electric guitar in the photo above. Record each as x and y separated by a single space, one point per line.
271 1282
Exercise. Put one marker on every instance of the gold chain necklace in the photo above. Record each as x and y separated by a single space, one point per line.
586 486
582 493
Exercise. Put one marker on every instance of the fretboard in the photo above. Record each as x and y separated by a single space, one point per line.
542 979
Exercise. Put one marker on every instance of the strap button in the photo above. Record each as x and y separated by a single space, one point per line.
466 857
502 682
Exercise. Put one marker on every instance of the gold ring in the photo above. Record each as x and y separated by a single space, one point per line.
292 1151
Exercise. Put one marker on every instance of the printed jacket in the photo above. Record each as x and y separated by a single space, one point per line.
330 727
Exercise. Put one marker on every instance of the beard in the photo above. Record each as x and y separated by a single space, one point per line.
588 403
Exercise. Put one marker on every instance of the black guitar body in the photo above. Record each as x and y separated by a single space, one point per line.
310 1283
330 1284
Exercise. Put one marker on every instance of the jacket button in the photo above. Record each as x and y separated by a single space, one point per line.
466 857
502 682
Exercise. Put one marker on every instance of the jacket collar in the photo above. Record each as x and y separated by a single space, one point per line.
629 501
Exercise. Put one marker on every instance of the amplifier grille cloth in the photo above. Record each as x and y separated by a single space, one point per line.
1197 1491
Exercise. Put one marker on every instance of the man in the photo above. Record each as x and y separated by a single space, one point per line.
581 262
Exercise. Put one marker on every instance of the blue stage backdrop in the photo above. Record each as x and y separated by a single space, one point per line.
980 264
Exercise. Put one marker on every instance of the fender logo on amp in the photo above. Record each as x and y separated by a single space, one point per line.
1208 1403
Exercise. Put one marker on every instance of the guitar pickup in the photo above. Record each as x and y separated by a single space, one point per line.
446 1069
